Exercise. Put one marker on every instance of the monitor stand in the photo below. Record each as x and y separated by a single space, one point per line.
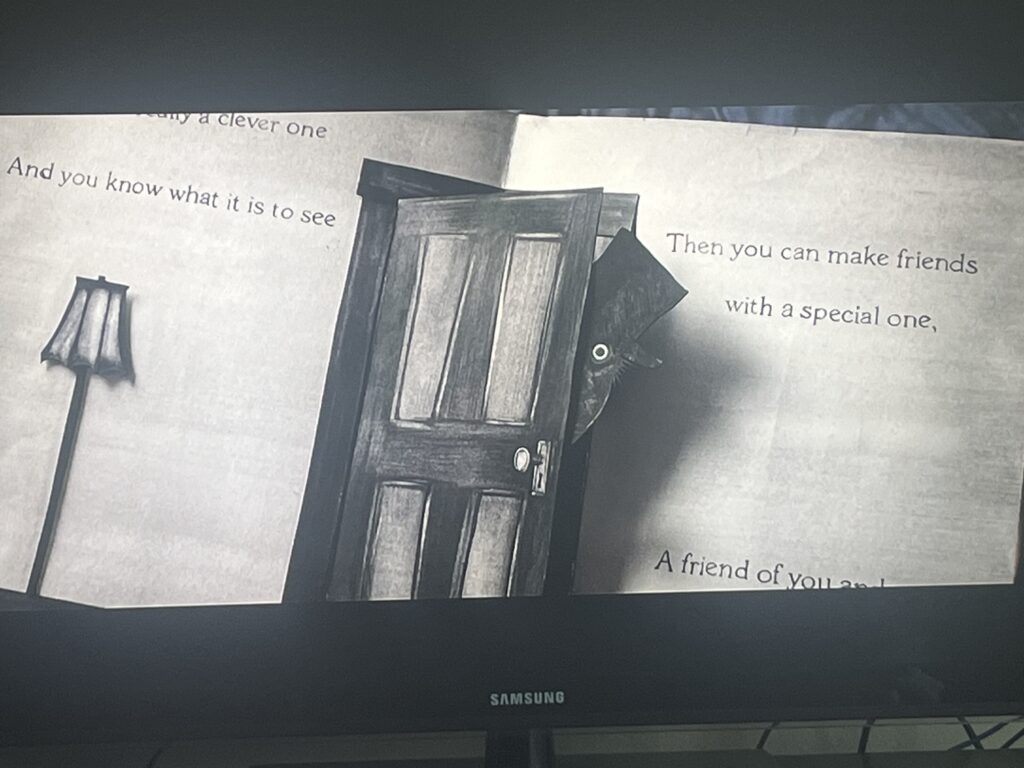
532 748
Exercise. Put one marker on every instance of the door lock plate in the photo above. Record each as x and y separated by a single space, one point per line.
541 466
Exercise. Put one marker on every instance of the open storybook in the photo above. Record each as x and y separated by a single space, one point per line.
337 356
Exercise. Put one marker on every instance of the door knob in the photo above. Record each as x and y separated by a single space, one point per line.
523 459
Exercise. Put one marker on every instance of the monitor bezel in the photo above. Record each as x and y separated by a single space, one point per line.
329 668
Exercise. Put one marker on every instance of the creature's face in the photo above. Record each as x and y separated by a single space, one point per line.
605 363
629 290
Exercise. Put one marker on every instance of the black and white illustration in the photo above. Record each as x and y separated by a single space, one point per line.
436 355
93 338
480 300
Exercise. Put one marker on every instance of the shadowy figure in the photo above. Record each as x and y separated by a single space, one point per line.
629 291
654 420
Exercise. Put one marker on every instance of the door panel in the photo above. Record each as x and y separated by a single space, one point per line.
465 379
492 544
529 282
443 268
400 510
472 363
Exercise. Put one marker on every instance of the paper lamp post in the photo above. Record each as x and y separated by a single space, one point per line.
92 338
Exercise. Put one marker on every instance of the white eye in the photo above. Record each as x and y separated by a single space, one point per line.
600 353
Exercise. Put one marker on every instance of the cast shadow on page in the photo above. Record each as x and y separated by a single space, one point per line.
654 420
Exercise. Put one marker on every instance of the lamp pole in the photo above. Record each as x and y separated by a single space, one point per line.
92 337
60 479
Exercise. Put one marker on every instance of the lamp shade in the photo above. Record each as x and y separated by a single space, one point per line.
93 333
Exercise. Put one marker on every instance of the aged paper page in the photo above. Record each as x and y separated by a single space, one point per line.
233 235
842 395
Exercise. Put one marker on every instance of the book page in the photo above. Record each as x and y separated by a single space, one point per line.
233 233
841 397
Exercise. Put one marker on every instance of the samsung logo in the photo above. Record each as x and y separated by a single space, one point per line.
527 698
